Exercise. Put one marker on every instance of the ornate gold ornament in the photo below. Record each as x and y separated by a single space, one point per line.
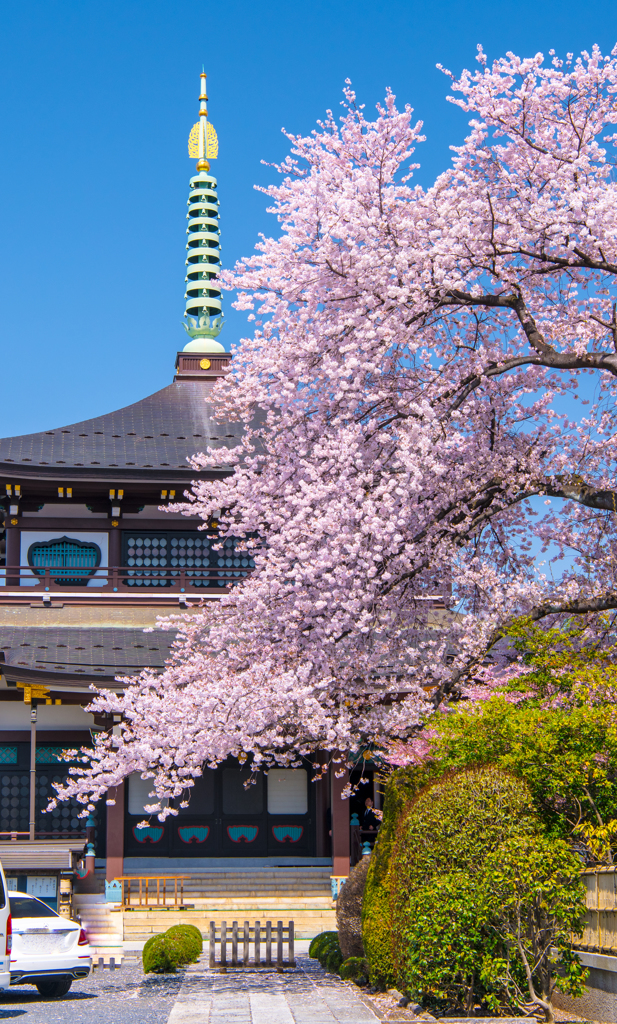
211 142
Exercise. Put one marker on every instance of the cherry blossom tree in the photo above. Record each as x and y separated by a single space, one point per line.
427 398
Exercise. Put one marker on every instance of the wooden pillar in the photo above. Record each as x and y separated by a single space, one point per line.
13 554
115 554
114 546
32 810
340 824
322 804
115 835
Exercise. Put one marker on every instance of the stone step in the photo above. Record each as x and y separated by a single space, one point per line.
241 890
141 925
253 879
262 872
240 894
245 881
233 899
257 879
256 882
103 925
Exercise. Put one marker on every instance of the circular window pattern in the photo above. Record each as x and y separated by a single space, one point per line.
182 560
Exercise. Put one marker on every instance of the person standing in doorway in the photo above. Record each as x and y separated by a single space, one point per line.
370 821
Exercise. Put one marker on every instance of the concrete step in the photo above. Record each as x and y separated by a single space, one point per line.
256 877
247 884
271 905
102 923
140 925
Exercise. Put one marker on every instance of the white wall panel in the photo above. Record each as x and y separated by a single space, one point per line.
287 791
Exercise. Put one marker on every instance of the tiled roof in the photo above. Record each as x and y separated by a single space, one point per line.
160 432
104 652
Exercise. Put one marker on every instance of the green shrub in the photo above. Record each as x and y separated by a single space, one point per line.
439 919
349 911
536 902
326 949
149 943
401 787
165 953
192 934
354 968
320 941
471 866
332 959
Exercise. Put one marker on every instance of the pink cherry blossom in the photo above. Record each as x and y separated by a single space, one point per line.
428 398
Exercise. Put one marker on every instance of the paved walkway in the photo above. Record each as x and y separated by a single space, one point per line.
305 995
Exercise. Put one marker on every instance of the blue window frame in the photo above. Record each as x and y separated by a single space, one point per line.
75 560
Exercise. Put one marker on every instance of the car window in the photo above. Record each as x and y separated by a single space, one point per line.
21 906
2 896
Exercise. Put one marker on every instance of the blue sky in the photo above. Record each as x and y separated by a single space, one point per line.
96 102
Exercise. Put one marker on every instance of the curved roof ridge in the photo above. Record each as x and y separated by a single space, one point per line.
160 431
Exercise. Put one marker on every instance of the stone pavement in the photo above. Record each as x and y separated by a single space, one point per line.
306 995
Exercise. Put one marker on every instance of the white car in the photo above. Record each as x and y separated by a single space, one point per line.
5 933
49 951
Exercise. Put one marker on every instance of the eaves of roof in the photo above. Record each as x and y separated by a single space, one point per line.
151 438
81 655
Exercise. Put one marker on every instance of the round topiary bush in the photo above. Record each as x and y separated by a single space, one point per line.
165 953
321 942
354 968
192 935
149 943
333 959
326 949
349 911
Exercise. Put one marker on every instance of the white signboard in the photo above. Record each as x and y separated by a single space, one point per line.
44 886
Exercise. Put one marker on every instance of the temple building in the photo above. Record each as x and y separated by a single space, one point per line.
90 559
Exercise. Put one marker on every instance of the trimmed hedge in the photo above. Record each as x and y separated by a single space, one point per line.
326 949
149 943
321 942
192 934
402 786
180 945
349 911
354 968
434 933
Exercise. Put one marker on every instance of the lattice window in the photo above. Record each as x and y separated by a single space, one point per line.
14 802
64 819
156 559
49 755
78 560
8 755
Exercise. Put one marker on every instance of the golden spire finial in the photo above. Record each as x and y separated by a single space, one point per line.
203 141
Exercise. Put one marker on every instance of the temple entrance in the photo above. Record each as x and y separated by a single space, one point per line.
273 816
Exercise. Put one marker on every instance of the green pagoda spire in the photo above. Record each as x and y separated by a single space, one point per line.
203 296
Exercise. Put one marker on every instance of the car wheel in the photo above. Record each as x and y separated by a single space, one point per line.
54 986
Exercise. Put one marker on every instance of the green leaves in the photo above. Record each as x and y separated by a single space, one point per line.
483 902
555 726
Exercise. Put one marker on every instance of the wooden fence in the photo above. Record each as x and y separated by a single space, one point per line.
149 891
600 933
234 945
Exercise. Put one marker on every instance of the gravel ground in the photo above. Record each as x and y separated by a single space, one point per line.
122 996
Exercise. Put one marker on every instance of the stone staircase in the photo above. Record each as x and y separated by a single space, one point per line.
301 895
103 924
